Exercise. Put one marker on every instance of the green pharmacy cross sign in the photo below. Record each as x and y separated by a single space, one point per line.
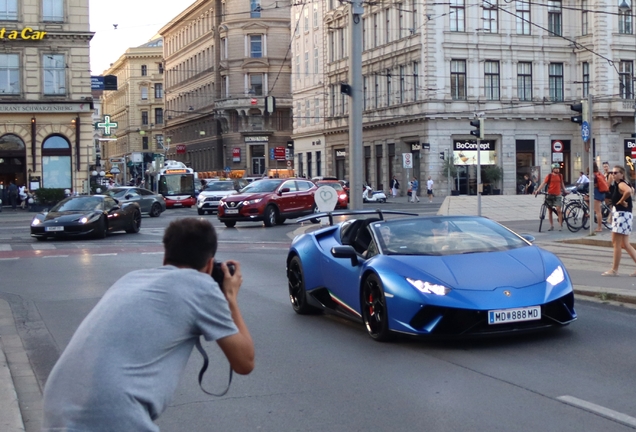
107 125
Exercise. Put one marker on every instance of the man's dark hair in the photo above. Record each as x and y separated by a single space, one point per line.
189 242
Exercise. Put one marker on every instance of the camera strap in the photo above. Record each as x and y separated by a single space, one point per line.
206 362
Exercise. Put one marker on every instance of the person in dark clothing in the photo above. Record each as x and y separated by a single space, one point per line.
13 195
529 184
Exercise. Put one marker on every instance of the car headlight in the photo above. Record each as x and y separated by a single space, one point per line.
252 201
556 277
429 288
36 222
87 219
201 197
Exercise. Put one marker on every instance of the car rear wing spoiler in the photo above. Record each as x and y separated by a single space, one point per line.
333 214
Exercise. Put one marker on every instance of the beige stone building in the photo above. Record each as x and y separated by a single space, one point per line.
223 59
45 94
137 107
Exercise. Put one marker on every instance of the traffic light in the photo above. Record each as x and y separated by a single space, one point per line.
579 109
478 124
442 155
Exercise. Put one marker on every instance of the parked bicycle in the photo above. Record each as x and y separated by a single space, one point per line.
577 213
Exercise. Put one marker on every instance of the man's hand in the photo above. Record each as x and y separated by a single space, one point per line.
232 283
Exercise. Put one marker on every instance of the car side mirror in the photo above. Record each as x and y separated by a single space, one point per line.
345 252
114 209
528 237
283 190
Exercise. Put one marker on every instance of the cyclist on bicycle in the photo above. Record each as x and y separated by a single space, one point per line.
554 197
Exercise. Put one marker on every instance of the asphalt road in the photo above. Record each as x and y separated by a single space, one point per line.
322 372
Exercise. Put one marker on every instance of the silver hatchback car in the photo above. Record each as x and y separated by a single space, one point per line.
149 202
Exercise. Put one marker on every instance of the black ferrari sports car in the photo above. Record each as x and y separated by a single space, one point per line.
95 215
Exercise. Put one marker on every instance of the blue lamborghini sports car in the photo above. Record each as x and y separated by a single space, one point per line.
425 276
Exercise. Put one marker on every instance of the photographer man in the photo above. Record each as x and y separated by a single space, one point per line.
122 366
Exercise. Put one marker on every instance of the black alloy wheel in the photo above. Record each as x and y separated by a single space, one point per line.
297 293
270 216
135 223
315 210
155 210
201 212
374 311
230 224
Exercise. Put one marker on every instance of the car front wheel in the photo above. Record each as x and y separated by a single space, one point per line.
230 224
297 293
315 220
155 210
135 223
201 212
270 216
374 311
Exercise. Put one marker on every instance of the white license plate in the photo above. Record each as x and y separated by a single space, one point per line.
502 316
231 211
178 204
54 228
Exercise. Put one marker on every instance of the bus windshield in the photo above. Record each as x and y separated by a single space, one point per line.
176 184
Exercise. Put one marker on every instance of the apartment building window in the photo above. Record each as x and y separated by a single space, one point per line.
376 95
144 70
625 18
343 43
401 92
256 84
144 118
306 62
256 46
555 17
158 91
255 8
364 34
343 104
144 143
144 93
297 24
315 15
307 116
9 74
625 79
158 116
387 25
309 164
226 86
555 73
584 18
316 61
52 10
297 66
586 78
457 23
400 20
318 163
524 81
416 80
316 111
332 96
458 79
223 48
388 88
298 115
160 68
332 46
306 19
365 93
8 10
414 17
54 69
375 30
523 17
491 79
490 16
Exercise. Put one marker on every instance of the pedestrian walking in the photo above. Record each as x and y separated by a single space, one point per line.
414 186
429 188
554 198
122 366
621 220
22 193
528 184
395 186
13 195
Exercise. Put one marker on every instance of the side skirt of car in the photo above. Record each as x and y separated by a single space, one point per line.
323 298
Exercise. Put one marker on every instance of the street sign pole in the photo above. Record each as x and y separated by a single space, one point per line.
590 141
478 176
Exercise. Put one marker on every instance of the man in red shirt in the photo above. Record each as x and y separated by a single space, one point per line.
554 198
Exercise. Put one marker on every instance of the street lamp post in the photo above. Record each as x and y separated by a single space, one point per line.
99 176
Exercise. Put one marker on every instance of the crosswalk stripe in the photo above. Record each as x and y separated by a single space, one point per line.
43 246
5 248
55 256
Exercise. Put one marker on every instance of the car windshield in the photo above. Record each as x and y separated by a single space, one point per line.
115 192
176 184
262 186
444 236
336 186
219 186
79 204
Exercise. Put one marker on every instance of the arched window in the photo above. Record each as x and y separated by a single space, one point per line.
12 143
56 162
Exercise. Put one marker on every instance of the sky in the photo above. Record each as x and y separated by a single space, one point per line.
137 22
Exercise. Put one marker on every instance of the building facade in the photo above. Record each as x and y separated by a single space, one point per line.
45 94
223 59
429 69
137 108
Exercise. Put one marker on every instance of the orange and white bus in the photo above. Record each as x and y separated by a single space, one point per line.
175 182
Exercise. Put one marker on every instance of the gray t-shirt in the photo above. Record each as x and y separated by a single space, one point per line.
122 366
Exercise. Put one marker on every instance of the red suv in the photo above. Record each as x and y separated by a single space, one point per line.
269 200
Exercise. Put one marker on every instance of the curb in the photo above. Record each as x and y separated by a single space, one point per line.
10 414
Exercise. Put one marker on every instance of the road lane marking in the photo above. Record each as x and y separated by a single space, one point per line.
9 259
43 246
600 410
152 253
103 254
55 256
5 248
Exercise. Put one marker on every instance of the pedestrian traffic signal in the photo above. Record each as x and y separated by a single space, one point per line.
579 109
478 124
442 155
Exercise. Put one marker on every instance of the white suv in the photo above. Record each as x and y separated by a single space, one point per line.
208 199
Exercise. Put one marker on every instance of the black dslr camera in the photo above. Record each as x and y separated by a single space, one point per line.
218 275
